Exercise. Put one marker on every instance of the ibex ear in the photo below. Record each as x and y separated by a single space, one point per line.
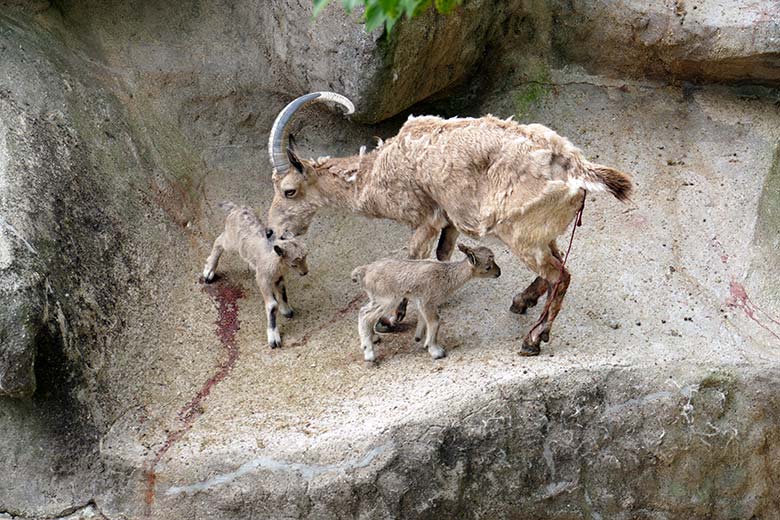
279 251
469 253
292 154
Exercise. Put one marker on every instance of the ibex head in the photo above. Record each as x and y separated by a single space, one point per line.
293 253
296 197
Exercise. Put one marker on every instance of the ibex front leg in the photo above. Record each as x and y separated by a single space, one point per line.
213 259
271 310
430 314
447 241
280 291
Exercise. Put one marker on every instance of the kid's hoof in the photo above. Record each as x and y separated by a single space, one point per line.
208 276
289 314
436 352
545 336
418 338
375 339
275 344
369 357
530 348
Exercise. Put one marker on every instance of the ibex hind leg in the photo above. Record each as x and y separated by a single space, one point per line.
367 317
420 246
530 296
419 332
558 279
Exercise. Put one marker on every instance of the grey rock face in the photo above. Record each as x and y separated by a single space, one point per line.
57 223
711 40
606 444
269 52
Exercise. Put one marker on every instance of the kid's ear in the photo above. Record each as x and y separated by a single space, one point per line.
469 253
279 251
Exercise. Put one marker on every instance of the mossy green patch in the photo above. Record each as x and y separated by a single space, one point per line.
537 86
768 228
719 379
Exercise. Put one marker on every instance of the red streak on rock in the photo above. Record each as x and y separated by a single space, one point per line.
226 297
724 257
739 298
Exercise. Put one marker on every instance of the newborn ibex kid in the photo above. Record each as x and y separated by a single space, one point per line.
426 282
268 255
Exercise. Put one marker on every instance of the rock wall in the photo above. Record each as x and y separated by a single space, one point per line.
694 40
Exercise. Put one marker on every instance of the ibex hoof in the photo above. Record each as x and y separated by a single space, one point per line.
545 336
289 314
520 306
275 344
384 326
530 348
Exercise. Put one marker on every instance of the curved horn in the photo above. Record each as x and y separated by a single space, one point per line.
277 141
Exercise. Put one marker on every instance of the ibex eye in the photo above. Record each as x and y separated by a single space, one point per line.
290 193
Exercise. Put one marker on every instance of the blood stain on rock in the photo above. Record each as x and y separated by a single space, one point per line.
739 299
226 297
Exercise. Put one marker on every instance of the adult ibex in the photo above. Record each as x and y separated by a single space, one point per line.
521 183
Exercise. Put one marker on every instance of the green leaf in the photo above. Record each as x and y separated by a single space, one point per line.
408 7
421 7
374 17
445 6
350 5
390 22
388 12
